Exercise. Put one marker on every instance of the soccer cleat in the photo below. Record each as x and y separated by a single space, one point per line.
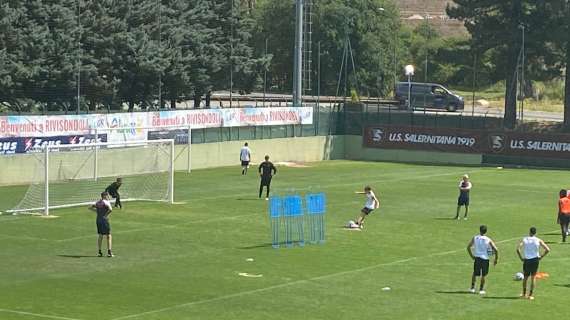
100 254
464 218
266 199
530 297
482 292
110 254
472 290
522 295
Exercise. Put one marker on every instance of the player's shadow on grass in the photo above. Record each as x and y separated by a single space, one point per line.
504 298
454 292
557 233
444 218
563 285
552 242
268 245
74 256
248 199
263 245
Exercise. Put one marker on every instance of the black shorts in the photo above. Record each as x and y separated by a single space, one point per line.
366 210
480 267
103 227
463 200
244 163
265 181
530 266
564 218
114 195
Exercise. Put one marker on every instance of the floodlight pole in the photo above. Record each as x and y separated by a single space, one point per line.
298 63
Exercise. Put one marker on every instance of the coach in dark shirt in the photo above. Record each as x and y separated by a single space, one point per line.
266 171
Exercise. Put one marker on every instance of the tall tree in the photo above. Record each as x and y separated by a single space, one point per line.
498 26
368 24
12 70
560 10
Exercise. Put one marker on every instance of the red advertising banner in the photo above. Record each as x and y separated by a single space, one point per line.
419 138
531 145
468 141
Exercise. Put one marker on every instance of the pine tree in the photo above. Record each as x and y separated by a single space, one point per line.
497 26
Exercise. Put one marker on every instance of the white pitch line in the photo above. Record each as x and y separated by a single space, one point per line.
332 275
7 236
37 315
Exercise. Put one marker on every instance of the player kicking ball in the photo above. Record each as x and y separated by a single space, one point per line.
371 204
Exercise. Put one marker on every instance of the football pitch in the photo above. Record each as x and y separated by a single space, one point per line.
184 261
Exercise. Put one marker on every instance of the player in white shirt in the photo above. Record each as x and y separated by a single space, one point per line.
463 199
480 248
372 203
530 256
244 157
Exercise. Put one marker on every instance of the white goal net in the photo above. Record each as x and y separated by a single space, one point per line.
72 175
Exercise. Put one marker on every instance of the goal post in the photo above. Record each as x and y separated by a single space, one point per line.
74 175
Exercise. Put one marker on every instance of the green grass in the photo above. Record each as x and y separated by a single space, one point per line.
182 261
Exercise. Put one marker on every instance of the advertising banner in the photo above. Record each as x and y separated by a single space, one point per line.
418 138
180 136
532 145
36 144
469 141
135 126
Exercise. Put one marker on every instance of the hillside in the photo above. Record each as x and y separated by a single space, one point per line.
415 12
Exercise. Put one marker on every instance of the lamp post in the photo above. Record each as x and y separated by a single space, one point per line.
522 79
409 70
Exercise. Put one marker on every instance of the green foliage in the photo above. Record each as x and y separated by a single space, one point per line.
371 33
549 91
123 52
498 27
354 95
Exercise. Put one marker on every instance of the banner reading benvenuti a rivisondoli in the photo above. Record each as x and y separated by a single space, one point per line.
137 125
468 141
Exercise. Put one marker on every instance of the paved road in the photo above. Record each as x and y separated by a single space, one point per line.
282 100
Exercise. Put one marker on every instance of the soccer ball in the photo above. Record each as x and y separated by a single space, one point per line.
352 225
519 276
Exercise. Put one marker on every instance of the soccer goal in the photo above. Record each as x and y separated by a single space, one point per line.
73 175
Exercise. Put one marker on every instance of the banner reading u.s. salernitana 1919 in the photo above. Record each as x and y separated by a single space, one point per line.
135 126
468 141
